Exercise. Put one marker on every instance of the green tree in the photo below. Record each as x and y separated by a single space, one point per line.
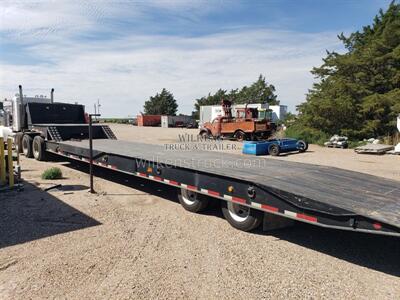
258 92
162 103
358 92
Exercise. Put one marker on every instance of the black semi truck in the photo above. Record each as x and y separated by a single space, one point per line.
271 191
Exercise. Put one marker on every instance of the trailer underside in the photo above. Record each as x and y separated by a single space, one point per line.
324 196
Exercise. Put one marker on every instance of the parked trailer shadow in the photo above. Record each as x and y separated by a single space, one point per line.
376 252
32 214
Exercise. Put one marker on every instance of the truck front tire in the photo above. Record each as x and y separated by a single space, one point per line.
192 201
27 146
38 148
241 217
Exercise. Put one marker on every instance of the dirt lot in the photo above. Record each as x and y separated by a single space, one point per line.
133 240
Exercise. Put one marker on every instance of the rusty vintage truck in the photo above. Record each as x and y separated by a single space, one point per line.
245 126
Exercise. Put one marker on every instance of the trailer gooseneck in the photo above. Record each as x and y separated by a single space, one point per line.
322 196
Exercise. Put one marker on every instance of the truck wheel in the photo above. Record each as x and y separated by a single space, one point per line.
38 148
192 201
273 150
27 146
240 135
18 141
205 135
302 146
241 217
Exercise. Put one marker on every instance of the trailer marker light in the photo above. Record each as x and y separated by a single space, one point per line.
149 170
230 189
377 226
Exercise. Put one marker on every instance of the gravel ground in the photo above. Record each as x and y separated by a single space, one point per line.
133 240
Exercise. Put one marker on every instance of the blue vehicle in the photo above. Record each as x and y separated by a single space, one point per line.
274 146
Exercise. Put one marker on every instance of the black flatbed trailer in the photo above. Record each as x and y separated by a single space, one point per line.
251 188
319 195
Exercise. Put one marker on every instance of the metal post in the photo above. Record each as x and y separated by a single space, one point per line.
91 152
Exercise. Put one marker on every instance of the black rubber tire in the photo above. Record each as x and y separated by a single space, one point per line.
38 148
18 141
27 146
252 221
240 136
199 201
205 135
274 150
304 146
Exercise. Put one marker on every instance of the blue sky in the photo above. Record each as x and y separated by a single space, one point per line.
122 52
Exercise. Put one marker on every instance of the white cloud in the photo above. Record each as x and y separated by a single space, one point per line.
123 72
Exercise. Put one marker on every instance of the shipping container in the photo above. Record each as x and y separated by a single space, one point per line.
148 120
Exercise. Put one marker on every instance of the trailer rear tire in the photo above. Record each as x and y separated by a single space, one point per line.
27 146
274 150
241 217
38 148
192 201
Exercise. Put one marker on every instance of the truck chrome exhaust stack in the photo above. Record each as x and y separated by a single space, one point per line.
52 95
21 96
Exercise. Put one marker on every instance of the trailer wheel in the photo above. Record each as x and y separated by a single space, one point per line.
192 201
27 146
18 141
38 148
240 136
241 217
302 146
273 150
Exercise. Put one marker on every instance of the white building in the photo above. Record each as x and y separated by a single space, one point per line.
279 112
209 112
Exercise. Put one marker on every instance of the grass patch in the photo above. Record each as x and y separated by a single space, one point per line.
52 173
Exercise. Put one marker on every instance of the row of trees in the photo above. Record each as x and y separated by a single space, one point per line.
358 92
258 92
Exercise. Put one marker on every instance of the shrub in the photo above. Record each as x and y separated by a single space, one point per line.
52 173
310 135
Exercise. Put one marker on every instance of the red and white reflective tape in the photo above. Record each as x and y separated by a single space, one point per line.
300 216
260 206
